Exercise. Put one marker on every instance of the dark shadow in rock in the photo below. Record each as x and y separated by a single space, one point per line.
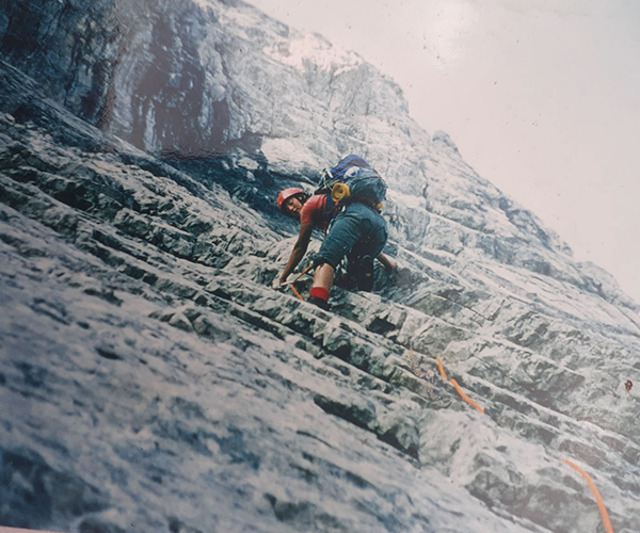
34 495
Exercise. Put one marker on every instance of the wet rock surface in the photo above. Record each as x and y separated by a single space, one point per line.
153 380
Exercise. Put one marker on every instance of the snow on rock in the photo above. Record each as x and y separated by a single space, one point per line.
312 51
154 380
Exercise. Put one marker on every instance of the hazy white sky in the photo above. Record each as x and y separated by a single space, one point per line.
542 98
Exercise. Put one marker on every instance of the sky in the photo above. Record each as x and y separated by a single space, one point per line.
541 97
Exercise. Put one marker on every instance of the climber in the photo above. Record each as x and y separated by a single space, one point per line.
355 230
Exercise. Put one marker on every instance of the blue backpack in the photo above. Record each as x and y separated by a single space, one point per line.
352 179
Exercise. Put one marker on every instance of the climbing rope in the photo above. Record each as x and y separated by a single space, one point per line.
601 506
441 368
295 291
457 387
596 494
465 397
293 288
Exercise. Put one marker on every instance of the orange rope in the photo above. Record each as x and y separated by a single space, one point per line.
295 291
584 474
442 372
465 397
596 494
303 272
457 387
297 278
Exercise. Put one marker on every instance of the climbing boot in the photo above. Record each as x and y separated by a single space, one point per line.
319 302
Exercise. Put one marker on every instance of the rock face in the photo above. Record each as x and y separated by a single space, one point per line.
151 378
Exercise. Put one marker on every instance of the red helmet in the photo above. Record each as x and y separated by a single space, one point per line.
287 193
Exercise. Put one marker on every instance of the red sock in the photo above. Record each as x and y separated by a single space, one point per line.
320 292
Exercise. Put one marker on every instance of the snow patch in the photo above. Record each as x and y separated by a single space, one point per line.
204 4
283 154
311 48
242 16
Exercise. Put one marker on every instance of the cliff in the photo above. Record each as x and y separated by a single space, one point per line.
155 381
